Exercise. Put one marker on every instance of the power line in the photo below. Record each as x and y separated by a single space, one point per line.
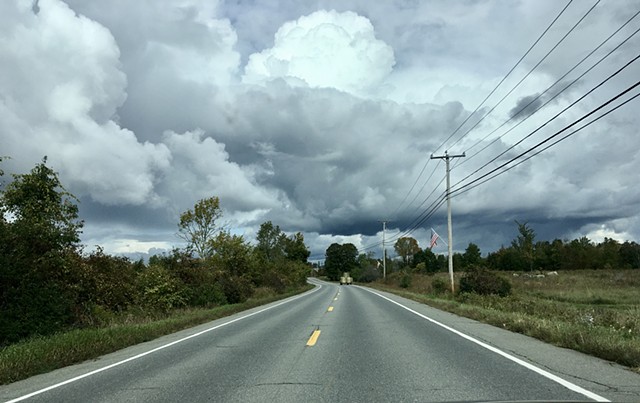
507 75
483 102
550 145
549 88
551 119
528 74
468 185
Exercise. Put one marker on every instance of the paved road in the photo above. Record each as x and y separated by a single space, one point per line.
369 346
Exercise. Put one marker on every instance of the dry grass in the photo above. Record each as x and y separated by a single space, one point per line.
596 312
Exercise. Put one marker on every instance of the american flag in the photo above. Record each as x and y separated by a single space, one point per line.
434 238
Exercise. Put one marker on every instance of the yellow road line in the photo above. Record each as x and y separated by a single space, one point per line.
330 309
314 338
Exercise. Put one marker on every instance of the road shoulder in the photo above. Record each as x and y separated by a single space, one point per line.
610 380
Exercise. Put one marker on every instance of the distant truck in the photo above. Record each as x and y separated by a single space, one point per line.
346 279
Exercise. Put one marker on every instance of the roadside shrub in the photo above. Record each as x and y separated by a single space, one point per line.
439 285
368 275
236 288
274 280
483 282
405 280
159 290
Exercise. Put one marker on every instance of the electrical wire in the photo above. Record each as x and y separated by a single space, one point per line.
556 134
469 157
551 119
508 74
528 74
483 102
548 146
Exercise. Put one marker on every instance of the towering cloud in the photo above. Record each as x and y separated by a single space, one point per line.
325 49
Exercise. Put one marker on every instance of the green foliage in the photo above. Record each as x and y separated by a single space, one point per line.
231 254
472 256
523 243
340 258
483 282
295 248
236 289
39 232
439 285
368 269
271 243
406 247
630 255
159 289
198 226
282 260
578 254
428 261
201 288
405 280
49 286
112 281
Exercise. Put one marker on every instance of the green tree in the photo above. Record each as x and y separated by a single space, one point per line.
295 248
406 247
426 261
630 255
271 242
283 260
198 226
579 254
608 254
368 268
232 254
472 255
39 231
524 242
340 258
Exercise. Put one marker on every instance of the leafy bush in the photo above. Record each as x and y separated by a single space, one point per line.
439 285
159 289
236 289
405 280
274 280
368 275
483 282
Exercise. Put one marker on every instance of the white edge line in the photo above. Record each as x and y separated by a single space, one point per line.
546 374
135 357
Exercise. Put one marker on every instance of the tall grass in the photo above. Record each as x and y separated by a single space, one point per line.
596 312
42 354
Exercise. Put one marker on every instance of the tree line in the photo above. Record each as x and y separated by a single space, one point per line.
49 284
523 254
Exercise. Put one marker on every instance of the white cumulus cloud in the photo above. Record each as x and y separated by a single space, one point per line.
61 86
325 49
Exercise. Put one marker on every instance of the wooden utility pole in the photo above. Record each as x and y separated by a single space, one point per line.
447 158
384 251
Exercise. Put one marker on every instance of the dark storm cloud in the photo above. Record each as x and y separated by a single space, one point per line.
526 106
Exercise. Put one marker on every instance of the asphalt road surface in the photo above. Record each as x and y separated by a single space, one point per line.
336 343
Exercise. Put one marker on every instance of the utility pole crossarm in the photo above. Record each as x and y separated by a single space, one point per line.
447 158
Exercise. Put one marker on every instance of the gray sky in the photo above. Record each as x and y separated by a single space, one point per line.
321 115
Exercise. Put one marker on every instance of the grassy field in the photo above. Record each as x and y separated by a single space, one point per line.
595 312
39 355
